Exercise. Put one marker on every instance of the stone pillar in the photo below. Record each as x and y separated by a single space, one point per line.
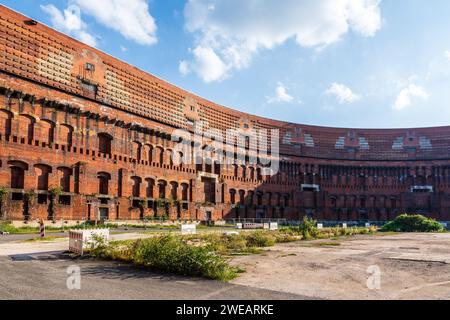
126 183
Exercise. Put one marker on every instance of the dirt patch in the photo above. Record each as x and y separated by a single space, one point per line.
412 266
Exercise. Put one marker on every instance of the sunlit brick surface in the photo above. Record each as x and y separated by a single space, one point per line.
78 119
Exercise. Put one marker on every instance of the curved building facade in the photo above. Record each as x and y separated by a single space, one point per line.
85 136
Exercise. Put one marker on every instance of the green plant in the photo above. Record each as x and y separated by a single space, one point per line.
143 204
55 191
260 239
3 192
308 229
172 254
413 223
30 194
162 202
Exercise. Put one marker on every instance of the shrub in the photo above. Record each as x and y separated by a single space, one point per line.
413 223
260 239
174 255
234 243
308 228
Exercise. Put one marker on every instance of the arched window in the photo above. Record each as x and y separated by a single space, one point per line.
236 170
136 186
232 196
174 190
104 143
18 174
137 150
244 171
26 127
241 197
162 189
259 199
47 131
42 171
160 155
148 152
64 178
65 134
184 192
252 173
150 187
258 174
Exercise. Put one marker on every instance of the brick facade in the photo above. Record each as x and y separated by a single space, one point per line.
86 136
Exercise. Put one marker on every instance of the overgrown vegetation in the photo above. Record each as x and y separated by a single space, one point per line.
7 226
171 254
308 228
208 254
413 223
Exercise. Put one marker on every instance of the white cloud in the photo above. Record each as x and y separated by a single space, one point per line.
281 95
404 98
235 30
183 67
207 65
70 22
342 93
447 54
131 18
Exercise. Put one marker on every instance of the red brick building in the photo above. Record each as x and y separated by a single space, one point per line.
86 136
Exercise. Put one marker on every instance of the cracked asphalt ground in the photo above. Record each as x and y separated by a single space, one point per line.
412 266
44 276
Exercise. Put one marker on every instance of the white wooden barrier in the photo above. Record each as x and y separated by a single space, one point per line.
188 229
82 239
252 226
273 226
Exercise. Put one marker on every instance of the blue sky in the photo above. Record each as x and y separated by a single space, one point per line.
344 63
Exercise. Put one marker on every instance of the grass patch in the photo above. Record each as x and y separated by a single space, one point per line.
45 239
8 227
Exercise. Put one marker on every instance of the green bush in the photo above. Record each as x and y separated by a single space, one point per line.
308 228
174 255
260 239
413 223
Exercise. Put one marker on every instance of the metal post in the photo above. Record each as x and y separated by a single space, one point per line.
42 228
